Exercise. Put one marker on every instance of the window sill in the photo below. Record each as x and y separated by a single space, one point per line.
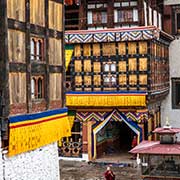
38 100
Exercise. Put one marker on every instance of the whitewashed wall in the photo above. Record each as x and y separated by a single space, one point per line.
1 162
40 164
166 108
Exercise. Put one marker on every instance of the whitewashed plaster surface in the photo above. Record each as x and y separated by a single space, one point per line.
166 108
40 164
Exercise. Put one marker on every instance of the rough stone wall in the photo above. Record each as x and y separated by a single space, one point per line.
40 164
166 108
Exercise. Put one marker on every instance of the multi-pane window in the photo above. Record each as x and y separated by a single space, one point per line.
37 87
37 49
125 12
110 78
97 14
177 22
110 67
176 93
126 15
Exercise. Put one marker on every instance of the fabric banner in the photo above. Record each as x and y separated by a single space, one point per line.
31 131
105 99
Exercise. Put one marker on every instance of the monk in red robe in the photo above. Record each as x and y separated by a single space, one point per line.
109 175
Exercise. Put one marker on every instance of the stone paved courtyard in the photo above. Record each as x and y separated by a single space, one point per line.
73 170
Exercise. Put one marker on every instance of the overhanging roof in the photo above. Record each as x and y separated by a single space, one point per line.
154 147
167 130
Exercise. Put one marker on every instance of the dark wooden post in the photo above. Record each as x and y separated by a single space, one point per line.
82 14
28 61
141 13
4 70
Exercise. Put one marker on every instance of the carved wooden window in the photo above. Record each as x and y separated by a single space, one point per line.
37 87
37 49
72 146
176 93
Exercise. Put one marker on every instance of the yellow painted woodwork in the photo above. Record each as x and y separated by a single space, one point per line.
55 85
122 48
105 100
132 79
108 49
87 80
143 47
143 79
86 49
122 79
78 65
55 51
16 9
142 64
132 48
97 67
97 80
55 15
77 50
96 49
17 87
87 65
68 55
78 89
132 64
122 66
16 46
78 80
87 89
37 12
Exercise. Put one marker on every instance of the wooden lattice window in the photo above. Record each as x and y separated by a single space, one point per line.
37 87
37 49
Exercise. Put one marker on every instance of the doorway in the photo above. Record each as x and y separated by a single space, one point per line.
114 139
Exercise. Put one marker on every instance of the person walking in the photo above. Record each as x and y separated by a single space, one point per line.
109 175
134 144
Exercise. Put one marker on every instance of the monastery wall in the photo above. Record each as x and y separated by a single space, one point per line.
40 164
166 108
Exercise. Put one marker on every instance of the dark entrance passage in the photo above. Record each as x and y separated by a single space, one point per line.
114 140
125 137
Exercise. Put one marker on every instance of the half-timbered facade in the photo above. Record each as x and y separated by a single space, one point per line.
31 75
117 71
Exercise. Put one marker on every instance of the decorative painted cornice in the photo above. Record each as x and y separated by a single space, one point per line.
116 35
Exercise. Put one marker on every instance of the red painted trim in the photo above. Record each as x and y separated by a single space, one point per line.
38 122
111 30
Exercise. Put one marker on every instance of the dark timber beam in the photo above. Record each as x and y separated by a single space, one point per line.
4 71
